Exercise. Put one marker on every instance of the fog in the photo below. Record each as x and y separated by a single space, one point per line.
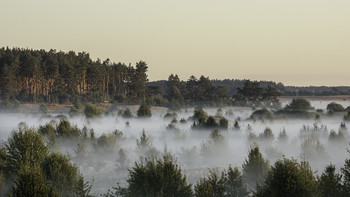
193 149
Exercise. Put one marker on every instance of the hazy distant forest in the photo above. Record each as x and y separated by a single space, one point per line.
36 76
120 135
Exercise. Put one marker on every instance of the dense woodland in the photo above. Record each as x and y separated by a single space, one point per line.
36 162
35 76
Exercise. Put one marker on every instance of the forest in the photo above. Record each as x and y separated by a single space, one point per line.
39 76
72 126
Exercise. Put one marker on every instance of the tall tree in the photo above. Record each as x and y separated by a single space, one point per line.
255 168
289 178
140 80
175 89
330 183
251 91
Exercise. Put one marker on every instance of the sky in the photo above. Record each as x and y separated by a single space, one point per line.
296 42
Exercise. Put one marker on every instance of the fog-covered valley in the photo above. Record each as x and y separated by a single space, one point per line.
104 162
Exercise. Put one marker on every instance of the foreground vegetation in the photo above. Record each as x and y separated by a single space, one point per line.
32 165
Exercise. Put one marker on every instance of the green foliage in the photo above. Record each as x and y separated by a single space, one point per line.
251 91
31 171
122 157
77 103
106 143
2 183
223 123
263 114
282 136
347 116
312 149
313 132
211 122
236 125
212 185
228 183
288 178
24 147
183 121
299 104
83 188
335 107
202 90
170 115
157 100
330 183
216 136
199 115
156 177
298 108
92 111
175 89
337 138
63 175
267 135
203 121
64 129
271 94
144 143
127 113
252 94
255 167
144 111
294 113
31 182
317 117
234 183
9 104
346 177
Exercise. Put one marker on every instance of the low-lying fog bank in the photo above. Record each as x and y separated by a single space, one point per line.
196 150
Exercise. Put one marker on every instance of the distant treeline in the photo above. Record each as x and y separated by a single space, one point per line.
31 76
232 86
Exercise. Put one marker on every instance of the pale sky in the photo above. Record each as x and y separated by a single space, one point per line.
296 42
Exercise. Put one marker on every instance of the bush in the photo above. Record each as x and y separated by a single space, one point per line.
347 109
282 136
183 121
92 111
156 177
347 117
10 104
267 135
223 123
294 113
335 107
64 129
144 111
127 113
211 123
299 104
170 115
263 114
199 115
